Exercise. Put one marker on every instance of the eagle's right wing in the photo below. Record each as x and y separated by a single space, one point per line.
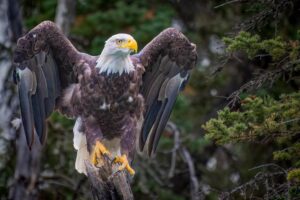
45 61
167 60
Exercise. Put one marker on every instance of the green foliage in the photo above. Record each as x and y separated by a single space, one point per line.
253 44
137 17
294 175
264 115
243 41
260 118
98 20
38 11
290 153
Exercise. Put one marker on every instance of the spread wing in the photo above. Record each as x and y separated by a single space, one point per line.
167 59
45 60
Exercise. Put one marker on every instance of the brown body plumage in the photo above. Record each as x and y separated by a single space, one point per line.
109 105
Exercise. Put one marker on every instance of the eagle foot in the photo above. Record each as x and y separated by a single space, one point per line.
124 164
98 153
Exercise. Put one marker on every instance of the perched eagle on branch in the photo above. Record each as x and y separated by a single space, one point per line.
116 98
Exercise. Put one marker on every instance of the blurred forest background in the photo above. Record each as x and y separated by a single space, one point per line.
235 130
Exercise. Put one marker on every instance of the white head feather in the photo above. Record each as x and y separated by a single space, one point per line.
115 56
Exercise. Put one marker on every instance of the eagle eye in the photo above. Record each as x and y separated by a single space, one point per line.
119 41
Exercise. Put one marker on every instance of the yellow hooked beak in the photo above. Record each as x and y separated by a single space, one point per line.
130 44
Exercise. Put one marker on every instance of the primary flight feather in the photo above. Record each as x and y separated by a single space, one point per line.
117 99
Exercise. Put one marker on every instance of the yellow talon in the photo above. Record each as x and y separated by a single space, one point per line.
124 164
98 152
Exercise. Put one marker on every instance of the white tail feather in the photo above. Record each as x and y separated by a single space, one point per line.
82 156
80 144
77 133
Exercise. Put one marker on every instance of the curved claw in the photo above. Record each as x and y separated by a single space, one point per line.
98 152
124 164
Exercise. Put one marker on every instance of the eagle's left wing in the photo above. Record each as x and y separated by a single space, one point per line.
46 65
167 59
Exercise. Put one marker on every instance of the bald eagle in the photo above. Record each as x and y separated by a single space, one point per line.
118 99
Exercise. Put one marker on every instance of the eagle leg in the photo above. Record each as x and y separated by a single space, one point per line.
124 164
98 152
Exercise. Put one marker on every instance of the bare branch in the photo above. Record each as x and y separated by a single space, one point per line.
193 178
227 3
175 130
253 184
185 154
269 78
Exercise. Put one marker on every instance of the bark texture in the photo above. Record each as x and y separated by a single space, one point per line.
108 183
65 13
26 176
27 165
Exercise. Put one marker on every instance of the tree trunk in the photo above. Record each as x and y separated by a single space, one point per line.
27 170
27 164
65 13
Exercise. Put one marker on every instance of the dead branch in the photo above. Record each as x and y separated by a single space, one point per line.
107 182
194 188
228 2
252 185
175 148
186 156
25 181
267 78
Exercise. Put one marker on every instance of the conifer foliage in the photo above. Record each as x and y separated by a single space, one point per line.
265 109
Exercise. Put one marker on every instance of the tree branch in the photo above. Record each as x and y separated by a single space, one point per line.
107 182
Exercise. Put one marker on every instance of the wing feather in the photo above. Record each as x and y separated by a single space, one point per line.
167 59
45 60
26 86
52 81
172 91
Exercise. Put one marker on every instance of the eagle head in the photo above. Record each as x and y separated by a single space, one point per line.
121 44
115 56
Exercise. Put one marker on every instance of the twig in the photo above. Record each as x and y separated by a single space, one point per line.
269 165
185 154
153 174
227 3
173 127
291 120
268 77
259 177
193 178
